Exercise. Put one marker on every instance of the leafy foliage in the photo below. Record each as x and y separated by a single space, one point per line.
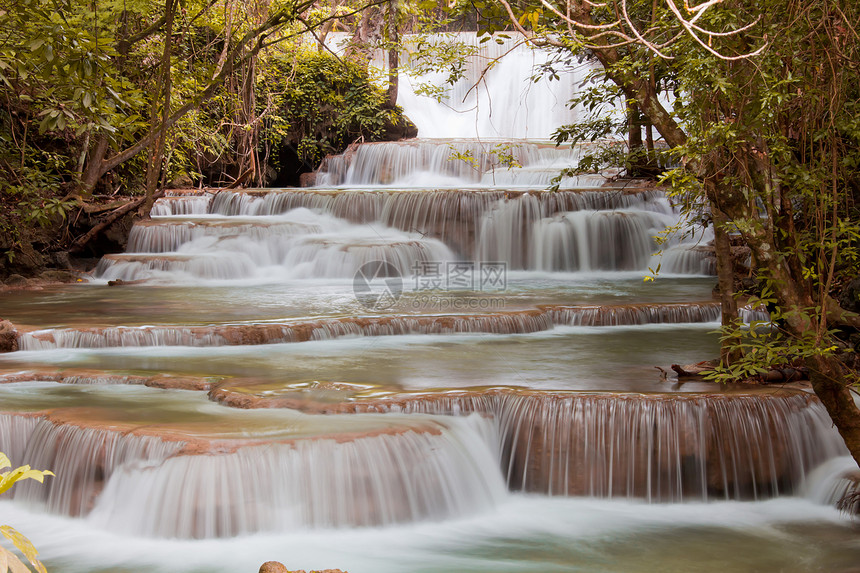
8 560
92 92
321 103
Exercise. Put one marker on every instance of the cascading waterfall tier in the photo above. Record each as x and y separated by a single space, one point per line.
83 459
454 163
510 322
298 244
654 447
353 481
426 209
657 447
186 205
145 485
153 236
327 233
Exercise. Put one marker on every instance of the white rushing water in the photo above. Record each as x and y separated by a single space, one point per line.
306 234
559 534
496 95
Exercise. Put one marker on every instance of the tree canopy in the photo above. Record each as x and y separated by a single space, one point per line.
120 98
758 105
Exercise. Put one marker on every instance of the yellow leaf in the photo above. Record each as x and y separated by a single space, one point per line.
8 479
10 562
24 546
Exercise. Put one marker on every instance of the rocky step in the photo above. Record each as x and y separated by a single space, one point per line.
98 377
163 235
510 322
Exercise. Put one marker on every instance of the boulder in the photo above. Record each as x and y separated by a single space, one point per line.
16 281
849 299
276 567
58 276
61 258
308 179
401 128
8 336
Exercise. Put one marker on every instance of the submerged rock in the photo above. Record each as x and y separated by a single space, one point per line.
689 370
276 567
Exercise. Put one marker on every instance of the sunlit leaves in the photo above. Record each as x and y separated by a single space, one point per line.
8 560
9 478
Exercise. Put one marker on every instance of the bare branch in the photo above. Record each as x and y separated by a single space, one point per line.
626 30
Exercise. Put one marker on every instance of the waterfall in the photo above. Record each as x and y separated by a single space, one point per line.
155 236
833 480
379 480
143 485
241 393
496 97
657 448
634 314
167 206
297 244
453 163
320 233
667 450
578 241
648 446
83 459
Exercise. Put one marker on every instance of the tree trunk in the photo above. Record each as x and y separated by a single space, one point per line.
247 135
638 160
726 280
93 172
828 376
78 245
393 54
155 168
328 26
634 127
368 33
